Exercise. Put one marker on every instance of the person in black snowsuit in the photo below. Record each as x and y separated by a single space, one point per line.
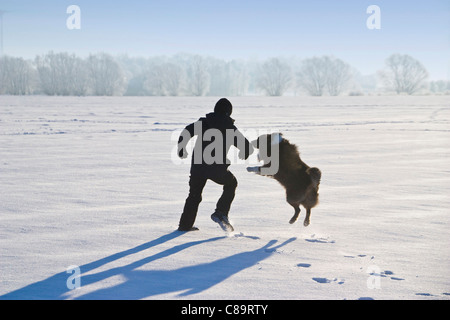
216 134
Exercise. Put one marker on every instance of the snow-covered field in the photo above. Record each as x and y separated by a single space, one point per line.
90 182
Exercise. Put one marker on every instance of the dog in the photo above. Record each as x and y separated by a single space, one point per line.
300 181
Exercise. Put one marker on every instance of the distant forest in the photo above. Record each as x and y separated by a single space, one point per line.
101 74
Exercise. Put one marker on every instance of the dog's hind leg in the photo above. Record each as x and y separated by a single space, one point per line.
307 218
296 207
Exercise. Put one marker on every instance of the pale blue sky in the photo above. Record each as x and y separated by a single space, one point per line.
231 29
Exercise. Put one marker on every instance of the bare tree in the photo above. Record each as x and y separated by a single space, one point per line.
197 76
324 74
50 70
154 82
173 79
165 79
228 78
338 75
439 86
239 78
274 77
313 76
16 76
403 73
62 74
106 75
80 80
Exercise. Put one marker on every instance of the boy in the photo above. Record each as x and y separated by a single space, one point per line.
216 134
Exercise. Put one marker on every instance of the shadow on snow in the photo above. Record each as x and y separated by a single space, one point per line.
140 284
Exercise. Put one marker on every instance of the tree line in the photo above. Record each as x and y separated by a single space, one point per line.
101 74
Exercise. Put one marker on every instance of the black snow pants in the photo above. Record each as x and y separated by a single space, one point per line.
197 182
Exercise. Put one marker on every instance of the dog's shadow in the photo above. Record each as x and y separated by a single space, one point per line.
139 284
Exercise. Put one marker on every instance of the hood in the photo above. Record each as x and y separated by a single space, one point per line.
219 121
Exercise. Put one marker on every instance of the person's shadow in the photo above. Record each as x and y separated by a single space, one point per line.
140 284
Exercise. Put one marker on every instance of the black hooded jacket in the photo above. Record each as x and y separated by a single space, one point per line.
216 134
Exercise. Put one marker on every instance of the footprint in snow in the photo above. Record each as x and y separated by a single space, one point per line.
304 265
355 256
424 294
326 280
387 274
315 239
241 235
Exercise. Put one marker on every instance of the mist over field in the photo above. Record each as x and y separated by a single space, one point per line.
205 48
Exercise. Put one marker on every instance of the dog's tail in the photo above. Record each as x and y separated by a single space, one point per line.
315 175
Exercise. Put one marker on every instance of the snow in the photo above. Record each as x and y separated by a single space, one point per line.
91 182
